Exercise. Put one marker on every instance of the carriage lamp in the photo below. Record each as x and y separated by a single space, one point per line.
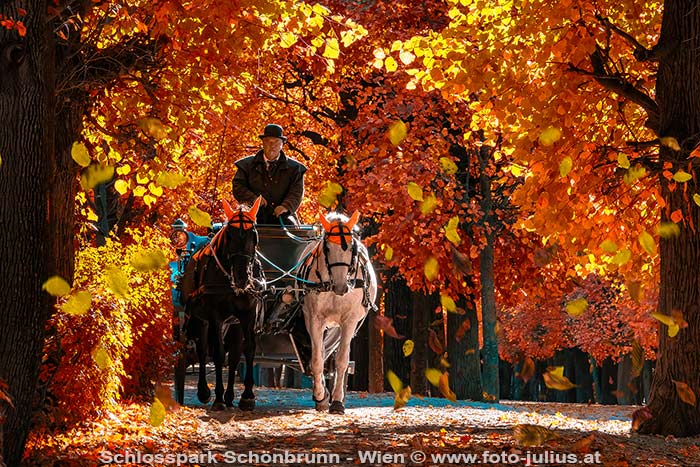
179 236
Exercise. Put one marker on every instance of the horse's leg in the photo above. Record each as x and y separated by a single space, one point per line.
315 329
247 401
203 391
234 344
218 356
342 359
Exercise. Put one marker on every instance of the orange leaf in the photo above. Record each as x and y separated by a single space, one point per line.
384 323
463 328
527 370
677 216
444 386
434 343
685 393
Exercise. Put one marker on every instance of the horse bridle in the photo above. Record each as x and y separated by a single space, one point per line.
352 266
250 259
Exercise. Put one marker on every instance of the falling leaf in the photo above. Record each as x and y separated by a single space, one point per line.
696 199
431 268
428 204
402 397
4 394
461 261
565 166
673 327
637 358
462 330
451 231
433 375
533 435
384 323
669 230
117 281
153 127
444 387
170 179
287 39
623 161
527 370
96 174
677 216
685 393
329 194
56 286
635 290
670 142
434 343
165 395
101 358
444 363
415 191
554 379
78 304
448 166
408 347
639 416
447 303
148 260
157 415
577 307
622 257
397 132
549 136
80 154
634 173
199 217
394 381
682 176
608 246
388 253
647 242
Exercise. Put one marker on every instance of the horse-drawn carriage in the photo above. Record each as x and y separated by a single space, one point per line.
279 276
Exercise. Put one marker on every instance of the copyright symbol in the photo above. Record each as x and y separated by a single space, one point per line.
418 457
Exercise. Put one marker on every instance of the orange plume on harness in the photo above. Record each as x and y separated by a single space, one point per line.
242 219
338 230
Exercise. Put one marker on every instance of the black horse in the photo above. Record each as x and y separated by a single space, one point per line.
223 303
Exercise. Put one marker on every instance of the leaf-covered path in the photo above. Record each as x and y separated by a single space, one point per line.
286 425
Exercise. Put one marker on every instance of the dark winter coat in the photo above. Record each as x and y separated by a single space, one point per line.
283 185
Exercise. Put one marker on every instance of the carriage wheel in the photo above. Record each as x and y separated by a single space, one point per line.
180 363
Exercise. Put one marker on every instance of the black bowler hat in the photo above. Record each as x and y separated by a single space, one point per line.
273 130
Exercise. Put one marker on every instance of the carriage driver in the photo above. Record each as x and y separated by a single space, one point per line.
277 178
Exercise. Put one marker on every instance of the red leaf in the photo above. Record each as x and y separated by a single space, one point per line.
384 323
434 343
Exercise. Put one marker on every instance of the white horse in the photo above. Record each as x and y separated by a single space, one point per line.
345 287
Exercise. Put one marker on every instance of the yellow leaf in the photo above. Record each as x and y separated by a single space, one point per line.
287 39
623 161
397 132
696 198
673 327
329 194
153 127
433 375
390 64
682 176
447 303
332 49
123 169
121 186
402 397
549 136
148 260
96 174
101 358
451 231
56 286
170 179
388 253
91 216
565 166
448 166
577 307
155 190
80 155
428 204
117 281
622 257
608 246
533 435
634 173
157 415
408 347
671 142
0 161
444 387
415 191
554 379
199 217
647 242
78 304
430 269
669 230
394 381
140 191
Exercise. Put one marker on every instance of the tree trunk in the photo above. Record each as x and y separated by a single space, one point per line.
27 149
678 97
359 354
582 377
397 305
376 354
488 312
463 355
422 310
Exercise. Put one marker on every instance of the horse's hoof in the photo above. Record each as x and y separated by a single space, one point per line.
337 407
218 407
246 405
204 395
323 404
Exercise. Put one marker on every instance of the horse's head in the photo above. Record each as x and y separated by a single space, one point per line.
238 243
340 249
